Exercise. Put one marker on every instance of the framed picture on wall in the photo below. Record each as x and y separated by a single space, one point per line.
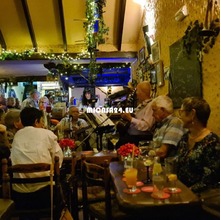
160 73
142 55
155 51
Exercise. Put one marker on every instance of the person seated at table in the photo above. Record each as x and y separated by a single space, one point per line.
2 115
4 147
32 100
169 128
43 103
4 143
142 121
73 126
32 144
199 148
13 123
10 102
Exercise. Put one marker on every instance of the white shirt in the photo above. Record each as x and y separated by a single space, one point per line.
34 145
143 120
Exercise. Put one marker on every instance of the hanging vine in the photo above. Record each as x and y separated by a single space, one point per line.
95 28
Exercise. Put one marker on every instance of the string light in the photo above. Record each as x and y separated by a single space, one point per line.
66 65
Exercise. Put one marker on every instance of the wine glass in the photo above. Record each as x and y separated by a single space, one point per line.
48 109
114 139
147 161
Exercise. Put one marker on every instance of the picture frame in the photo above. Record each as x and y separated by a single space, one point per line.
155 51
142 55
160 73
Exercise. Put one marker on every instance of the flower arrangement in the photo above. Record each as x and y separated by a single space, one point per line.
128 150
66 142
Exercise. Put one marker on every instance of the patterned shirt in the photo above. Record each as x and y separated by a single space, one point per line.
65 123
169 132
199 167
29 102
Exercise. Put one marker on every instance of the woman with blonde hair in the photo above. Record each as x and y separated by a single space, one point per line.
43 103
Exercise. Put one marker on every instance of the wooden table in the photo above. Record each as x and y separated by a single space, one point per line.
66 165
92 153
181 205
6 209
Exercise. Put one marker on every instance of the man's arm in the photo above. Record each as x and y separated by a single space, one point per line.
163 150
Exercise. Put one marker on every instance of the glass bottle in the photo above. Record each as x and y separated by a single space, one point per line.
104 143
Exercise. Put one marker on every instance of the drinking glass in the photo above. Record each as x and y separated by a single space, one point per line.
147 161
48 109
131 178
159 182
171 172
114 139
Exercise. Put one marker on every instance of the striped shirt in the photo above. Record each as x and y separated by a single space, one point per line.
170 131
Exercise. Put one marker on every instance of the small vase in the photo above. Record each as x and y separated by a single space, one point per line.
67 151
128 162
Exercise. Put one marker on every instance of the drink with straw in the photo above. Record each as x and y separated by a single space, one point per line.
131 178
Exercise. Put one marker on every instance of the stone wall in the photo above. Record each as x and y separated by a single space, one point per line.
169 31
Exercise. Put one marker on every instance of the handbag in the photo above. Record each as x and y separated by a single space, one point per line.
65 214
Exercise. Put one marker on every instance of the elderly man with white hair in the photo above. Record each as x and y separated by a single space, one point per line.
32 100
169 128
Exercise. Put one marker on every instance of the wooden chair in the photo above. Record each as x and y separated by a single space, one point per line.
95 193
19 198
95 172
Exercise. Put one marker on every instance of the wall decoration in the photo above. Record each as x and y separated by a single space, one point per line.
160 73
185 77
142 55
155 51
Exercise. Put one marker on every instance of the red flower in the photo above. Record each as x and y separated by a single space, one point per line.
127 149
66 142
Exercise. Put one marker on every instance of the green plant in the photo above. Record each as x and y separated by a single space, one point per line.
199 38
95 29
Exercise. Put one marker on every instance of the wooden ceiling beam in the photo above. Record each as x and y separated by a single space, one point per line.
61 14
122 9
2 41
29 23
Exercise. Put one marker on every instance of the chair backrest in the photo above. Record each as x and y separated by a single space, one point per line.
95 172
73 184
9 178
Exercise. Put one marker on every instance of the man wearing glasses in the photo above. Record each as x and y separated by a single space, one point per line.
169 128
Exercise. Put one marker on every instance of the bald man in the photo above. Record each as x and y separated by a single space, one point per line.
143 120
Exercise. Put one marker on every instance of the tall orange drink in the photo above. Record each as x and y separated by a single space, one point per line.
131 177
